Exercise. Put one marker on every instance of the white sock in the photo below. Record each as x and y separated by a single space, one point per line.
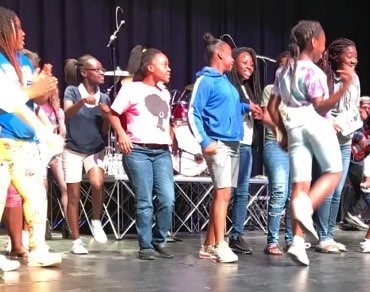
95 222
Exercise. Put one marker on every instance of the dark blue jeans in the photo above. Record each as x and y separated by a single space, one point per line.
151 174
241 193
276 162
328 211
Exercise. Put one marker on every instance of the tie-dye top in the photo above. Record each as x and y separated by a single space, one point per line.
310 82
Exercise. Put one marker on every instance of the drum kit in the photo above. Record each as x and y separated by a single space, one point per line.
189 160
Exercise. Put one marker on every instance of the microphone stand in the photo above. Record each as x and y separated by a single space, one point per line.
111 44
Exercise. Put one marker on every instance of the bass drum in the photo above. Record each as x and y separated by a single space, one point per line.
189 160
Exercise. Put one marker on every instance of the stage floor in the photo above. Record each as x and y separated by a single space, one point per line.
115 267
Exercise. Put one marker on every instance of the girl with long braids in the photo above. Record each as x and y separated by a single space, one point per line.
20 161
307 129
245 76
341 53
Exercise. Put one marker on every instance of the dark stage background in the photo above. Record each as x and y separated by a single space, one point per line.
60 29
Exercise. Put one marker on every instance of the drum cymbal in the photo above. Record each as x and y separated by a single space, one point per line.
189 87
117 73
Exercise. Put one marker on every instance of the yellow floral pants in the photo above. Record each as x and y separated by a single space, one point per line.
20 165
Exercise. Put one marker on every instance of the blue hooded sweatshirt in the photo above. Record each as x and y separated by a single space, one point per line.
215 111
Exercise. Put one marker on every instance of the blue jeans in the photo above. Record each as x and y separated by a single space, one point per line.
151 174
366 197
276 162
241 193
328 211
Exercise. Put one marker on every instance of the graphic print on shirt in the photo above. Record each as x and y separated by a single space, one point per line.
158 108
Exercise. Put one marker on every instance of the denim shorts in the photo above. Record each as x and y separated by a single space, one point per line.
316 138
223 167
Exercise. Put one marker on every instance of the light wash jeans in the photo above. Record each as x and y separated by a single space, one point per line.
276 162
151 174
328 211
241 193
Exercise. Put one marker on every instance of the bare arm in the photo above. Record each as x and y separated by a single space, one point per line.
123 141
105 113
62 123
70 108
266 119
273 110
322 105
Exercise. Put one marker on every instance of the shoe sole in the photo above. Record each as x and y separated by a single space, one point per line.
350 227
46 264
327 251
149 258
349 220
242 252
296 260
79 253
225 262
16 267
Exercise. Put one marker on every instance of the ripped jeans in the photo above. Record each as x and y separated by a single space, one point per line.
276 163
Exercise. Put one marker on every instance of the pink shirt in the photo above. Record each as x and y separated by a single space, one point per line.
147 112
55 118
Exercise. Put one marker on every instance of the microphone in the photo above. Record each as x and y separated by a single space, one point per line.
114 35
118 27
266 58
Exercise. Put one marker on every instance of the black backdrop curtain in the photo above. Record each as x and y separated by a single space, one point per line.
60 29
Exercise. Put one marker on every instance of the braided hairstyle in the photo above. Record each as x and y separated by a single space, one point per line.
8 39
331 62
253 84
300 36
73 67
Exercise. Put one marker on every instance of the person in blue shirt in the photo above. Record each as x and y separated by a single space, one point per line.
20 160
215 119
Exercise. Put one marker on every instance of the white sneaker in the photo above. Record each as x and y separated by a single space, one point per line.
41 257
8 265
354 220
365 246
98 231
297 251
224 254
207 252
78 247
303 211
